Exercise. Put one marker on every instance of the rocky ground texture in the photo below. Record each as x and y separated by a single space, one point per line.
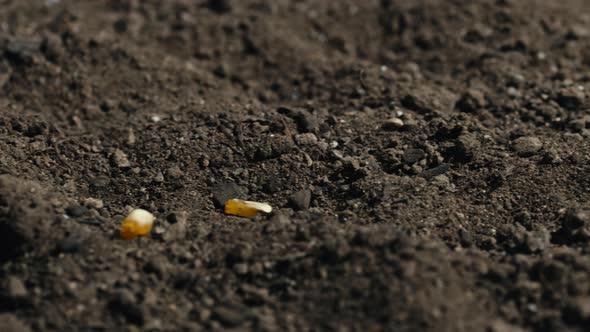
428 164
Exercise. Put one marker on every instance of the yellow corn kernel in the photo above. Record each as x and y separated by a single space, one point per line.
138 223
241 208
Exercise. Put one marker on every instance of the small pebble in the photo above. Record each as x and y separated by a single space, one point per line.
513 92
119 159
94 203
204 162
229 316
159 178
241 268
224 191
412 156
76 211
441 181
527 146
131 139
300 200
174 172
15 288
438 170
393 124
306 139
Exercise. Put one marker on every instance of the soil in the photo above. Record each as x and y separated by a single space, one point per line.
428 164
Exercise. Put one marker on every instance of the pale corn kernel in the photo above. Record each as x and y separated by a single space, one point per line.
138 223
241 208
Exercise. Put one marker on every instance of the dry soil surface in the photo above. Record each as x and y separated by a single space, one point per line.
428 164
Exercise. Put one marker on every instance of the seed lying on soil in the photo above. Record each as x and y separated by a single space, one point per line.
241 208
138 223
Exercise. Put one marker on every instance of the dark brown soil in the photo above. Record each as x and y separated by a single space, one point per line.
428 162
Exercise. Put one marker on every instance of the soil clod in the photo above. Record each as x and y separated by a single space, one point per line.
471 101
25 216
224 191
119 159
412 156
527 146
300 200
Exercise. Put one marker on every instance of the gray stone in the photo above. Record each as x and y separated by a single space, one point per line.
76 211
393 124
438 170
224 191
527 146
300 200
159 178
412 156
229 316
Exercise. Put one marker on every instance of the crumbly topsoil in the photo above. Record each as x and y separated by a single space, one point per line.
428 163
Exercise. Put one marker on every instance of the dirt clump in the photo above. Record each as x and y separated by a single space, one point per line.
25 217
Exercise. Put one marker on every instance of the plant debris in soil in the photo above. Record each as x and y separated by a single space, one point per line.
427 164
